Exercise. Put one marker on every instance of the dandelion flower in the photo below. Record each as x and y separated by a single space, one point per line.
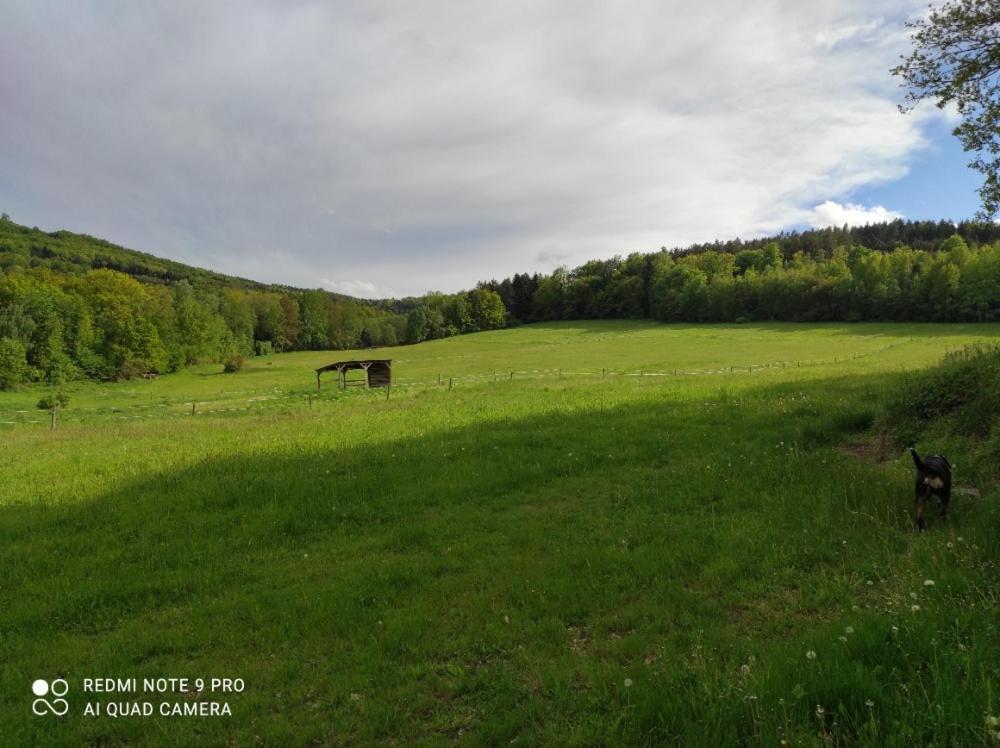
913 595
849 630
915 608
843 639
811 655
895 629
628 683
820 711
869 703
928 583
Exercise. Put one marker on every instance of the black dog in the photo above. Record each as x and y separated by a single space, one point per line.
933 479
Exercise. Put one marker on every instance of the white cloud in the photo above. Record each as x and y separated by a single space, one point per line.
430 144
359 288
833 214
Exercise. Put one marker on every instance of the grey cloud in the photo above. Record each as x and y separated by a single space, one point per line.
430 144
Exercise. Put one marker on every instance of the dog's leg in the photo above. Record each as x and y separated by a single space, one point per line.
945 498
920 511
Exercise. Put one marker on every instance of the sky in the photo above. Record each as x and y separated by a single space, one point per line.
392 148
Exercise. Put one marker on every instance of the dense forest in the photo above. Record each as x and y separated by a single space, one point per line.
902 271
73 306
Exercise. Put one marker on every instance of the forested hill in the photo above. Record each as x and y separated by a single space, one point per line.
73 306
67 252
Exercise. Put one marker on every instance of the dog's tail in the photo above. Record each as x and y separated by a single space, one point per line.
916 459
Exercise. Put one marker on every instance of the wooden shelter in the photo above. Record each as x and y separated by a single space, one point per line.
378 372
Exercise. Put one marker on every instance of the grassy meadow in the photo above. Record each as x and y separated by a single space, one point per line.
648 534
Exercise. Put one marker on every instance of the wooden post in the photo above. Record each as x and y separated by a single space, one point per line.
388 388
604 373
449 384
52 418
512 376
192 408
317 381
439 379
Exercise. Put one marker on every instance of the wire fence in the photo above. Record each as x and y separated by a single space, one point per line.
263 400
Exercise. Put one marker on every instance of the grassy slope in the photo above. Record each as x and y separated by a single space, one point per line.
494 562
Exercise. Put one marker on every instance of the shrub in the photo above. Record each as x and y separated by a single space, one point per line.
54 401
232 363
963 392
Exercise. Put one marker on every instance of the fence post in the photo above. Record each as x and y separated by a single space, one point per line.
604 373
388 389
512 376
192 408
449 384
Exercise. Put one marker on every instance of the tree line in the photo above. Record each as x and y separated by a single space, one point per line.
106 325
799 278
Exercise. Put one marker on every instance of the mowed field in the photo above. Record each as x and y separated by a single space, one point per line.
648 534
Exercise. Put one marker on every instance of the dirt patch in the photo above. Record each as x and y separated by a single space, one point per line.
873 450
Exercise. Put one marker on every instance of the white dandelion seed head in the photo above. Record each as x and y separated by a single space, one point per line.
915 608
849 630
628 683
811 655
913 595
842 638
869 703
928 583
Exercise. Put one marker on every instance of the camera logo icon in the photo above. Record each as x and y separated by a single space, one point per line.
56 689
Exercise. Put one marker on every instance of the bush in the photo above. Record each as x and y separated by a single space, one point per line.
952 408
54 401
232 363
962 392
